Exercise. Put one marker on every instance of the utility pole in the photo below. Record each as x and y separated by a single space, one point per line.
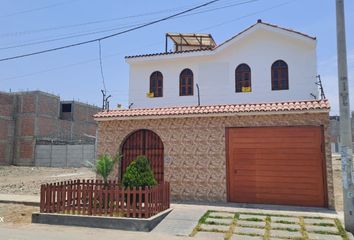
345 124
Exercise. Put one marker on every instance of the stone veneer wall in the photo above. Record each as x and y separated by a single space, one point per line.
194 148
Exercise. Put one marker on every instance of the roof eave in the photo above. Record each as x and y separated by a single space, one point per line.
250 113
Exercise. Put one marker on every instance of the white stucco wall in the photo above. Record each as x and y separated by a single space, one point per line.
214 71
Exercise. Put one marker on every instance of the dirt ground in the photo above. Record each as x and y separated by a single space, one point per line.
16 213
27 180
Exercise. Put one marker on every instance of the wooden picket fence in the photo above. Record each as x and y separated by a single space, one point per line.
93 197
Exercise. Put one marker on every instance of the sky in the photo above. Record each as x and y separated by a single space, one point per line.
74 73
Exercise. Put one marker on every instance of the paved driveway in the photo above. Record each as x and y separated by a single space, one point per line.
257 226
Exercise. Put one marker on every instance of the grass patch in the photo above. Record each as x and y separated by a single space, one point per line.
316 218
325 232
228 235
200 222
267 228
216 223
341 229
212 230
303 229
204 217
252 219
285 222
219 217
251 226
250 234
324 224
286 229
265 214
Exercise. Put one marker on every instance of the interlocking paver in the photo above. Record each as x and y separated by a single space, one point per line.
316 236
284 233
222 214
251 216
247 230
226 221
313 228
285 226
245 237
285 219
209 235
313 220
219 228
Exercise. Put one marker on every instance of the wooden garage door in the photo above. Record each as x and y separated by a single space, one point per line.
276 165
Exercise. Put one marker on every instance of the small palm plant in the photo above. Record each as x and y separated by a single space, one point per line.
104 166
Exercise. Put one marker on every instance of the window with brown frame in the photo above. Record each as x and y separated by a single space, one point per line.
280 75
156 84
243 78
186 83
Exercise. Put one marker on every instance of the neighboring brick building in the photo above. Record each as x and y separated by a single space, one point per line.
29 117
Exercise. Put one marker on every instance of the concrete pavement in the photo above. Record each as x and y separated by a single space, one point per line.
45 232
31 200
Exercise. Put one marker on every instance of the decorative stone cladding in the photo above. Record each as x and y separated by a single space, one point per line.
194 148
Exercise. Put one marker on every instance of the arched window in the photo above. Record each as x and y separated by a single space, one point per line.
280 75
243 78
156 84
186 83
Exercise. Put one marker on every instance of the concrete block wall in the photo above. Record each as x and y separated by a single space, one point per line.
64 155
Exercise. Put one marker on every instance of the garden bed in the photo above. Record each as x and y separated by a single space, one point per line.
95 198
121 223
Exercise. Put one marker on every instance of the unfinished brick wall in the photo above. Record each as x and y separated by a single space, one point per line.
48 106
6 127
194 148
28 116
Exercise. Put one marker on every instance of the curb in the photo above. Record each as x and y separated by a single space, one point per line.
107 222
27 203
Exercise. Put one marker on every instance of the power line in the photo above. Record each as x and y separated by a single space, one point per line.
112 55
34 31
109 36
11 34
117 28
246 15
26 44
38 8
101 66
73 64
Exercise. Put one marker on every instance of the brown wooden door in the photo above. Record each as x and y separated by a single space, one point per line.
276 165
147 143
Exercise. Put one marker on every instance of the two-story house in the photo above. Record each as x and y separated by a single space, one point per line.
240 121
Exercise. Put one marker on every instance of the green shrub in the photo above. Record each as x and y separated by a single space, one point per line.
139 174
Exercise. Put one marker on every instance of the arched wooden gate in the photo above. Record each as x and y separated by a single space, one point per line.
147 143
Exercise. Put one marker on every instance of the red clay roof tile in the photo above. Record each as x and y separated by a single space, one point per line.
285 107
